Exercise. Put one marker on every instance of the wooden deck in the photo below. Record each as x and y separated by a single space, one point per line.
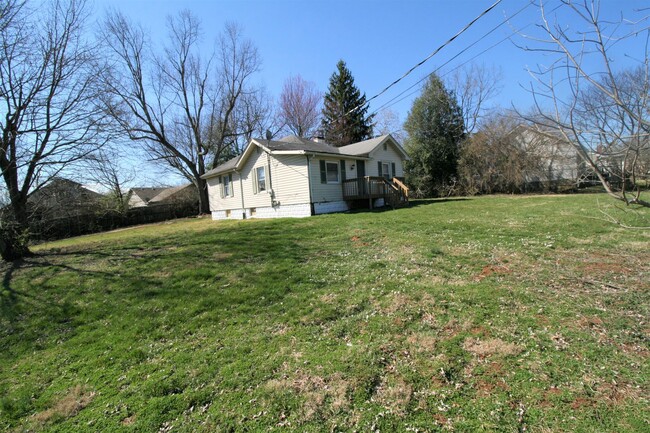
394 193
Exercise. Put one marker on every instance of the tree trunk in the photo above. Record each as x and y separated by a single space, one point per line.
14 233
204 205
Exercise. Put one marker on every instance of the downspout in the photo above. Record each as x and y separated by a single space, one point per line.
271 192
311 202
241 191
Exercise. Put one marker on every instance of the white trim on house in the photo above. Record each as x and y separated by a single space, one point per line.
297 180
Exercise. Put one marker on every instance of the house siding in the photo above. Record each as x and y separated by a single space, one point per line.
390 155
328 192
218 203
289 176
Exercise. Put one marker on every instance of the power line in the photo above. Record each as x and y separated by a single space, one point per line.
458 54
436 51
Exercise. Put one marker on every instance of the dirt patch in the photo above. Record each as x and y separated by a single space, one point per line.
493 346
319 393
67 406
421 342
492 270
356 240
221 256
394 394
129 420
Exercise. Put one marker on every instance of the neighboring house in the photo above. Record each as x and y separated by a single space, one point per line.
558 159
296 177
62 198
141 197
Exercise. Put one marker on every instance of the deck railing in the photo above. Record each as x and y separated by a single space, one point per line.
394 193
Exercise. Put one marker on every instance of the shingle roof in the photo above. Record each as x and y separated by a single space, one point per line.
293 143
168 192
146 194
362 147
222 168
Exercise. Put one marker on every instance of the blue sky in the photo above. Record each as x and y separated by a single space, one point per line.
379 40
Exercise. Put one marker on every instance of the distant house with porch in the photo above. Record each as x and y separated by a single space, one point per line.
296 177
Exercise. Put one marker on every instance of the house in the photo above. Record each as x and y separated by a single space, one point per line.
63 198
141 197
296 177
557 160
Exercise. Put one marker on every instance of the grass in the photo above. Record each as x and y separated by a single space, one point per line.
485 314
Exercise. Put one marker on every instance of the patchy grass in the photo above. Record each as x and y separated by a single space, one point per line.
486 314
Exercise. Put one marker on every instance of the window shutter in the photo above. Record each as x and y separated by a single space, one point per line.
254 181
379 173
221 186
323 172
343 170
232 187
392 166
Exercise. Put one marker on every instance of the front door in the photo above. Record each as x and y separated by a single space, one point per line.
361 173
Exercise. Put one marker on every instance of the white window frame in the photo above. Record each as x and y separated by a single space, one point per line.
227 186
385 165
256 184
337 164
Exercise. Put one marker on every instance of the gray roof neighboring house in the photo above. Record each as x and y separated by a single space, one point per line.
146 194
293 144
152 196
168 193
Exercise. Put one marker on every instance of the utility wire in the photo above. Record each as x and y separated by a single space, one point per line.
459 53
436 51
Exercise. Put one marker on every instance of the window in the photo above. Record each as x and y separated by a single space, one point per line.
329 172
227 186
260 179
385 170
332 172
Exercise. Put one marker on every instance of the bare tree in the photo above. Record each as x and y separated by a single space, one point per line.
474 87
503 157
105 169
387 122
580 96
181 107
300 106
49 117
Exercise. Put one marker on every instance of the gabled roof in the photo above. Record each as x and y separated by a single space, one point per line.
225 167
364 148
167 193
297 145
146 194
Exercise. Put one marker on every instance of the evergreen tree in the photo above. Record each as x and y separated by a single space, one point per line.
345 118
435 130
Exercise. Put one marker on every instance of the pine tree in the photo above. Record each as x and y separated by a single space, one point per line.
435 130
345 118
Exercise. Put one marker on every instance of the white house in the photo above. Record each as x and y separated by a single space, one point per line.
296 177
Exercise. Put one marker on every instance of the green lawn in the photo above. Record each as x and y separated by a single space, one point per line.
484 314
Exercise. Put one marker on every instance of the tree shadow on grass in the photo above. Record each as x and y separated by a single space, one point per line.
75 286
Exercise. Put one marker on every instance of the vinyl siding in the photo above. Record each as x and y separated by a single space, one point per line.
390 156
290 179
325 192
222 203
258 158
287 178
